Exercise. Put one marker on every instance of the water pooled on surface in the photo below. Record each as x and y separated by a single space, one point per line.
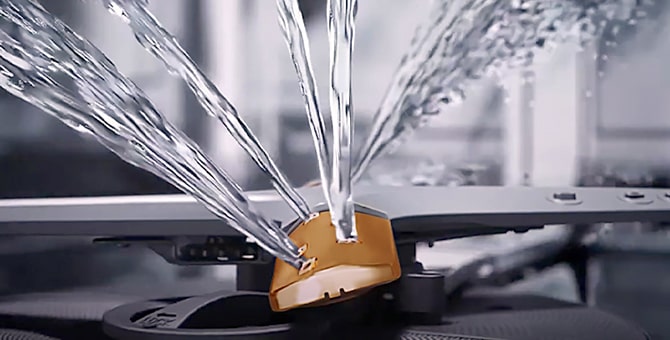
465 40
341 32
163 45
45 63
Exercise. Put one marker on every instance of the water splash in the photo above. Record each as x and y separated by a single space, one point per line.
163 45
465 40
295 35
45 63
341 32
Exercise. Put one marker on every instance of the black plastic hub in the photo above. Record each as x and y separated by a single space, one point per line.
417 298
248 316
417 306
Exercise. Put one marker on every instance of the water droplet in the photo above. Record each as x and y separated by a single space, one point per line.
529 79
137 145
115 9
615 30
485 270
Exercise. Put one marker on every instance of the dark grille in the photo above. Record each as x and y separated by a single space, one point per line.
415 335
11 334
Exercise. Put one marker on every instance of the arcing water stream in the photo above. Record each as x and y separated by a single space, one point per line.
150 34
159 42
47 64
41 51
341 33
467 39
295 35
336 174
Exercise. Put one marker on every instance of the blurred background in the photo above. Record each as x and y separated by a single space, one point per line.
242 49
594 115
578 114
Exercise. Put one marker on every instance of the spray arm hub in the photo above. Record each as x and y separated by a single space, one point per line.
335 271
